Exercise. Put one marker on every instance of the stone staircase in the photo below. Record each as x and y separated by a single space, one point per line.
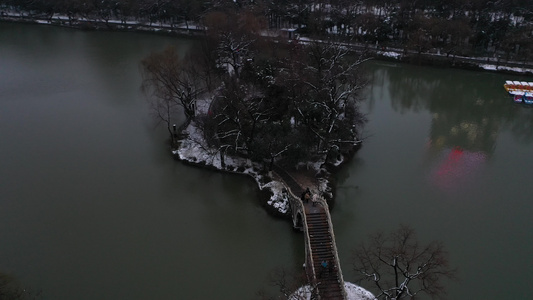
328 281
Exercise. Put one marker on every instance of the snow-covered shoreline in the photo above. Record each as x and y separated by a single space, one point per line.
194 150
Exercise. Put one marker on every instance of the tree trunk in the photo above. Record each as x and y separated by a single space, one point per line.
222 155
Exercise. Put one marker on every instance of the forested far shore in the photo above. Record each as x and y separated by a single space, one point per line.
500 31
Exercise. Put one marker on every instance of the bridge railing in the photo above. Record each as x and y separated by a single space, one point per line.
298 206
324 203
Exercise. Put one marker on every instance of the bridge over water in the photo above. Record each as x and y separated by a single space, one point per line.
321 257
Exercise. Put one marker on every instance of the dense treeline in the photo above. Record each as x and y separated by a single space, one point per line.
452 27
168 11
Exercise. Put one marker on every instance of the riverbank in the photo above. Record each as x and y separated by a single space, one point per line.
430 58
109 25
490 64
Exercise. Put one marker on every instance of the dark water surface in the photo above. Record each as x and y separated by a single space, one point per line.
449 154
93 207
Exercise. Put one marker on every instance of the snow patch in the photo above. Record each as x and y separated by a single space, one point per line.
389 54
490 67
353 292
279 200
194 149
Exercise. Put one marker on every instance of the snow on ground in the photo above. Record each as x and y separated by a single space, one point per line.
279 200
194 149
505 68
389 54
353 292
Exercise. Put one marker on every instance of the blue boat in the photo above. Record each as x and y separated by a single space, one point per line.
528 98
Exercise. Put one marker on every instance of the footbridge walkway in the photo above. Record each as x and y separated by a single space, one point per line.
321 258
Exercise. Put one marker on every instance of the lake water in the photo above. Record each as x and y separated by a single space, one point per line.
449 154
92 206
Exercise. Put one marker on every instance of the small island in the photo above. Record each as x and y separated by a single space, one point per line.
265 107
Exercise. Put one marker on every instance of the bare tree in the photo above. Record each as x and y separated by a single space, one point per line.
235 35
300 107
232 50
450 35
418 35
400 267
238 113
328 105
170 83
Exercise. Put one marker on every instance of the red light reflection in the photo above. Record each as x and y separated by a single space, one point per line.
456 168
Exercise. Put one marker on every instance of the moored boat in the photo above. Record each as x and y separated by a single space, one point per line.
518 98
528 98
518 87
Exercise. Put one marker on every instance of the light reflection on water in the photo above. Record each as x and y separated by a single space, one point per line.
454 168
